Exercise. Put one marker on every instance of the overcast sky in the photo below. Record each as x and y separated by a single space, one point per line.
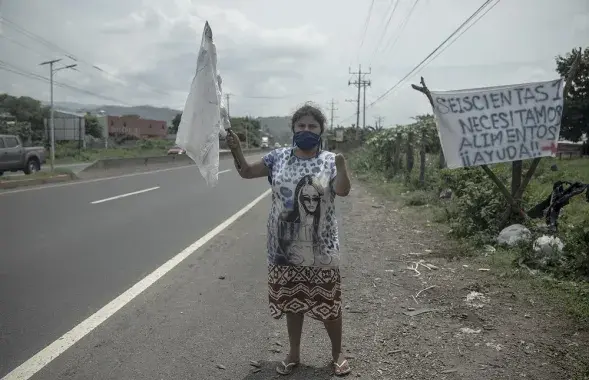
276 54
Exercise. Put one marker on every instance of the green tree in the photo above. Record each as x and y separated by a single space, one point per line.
175 123
26 111
93 127
575 121
19 128
246 125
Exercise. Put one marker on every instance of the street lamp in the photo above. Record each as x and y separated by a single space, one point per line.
52 71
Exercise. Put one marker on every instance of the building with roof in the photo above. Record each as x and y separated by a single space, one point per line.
67 126
133 126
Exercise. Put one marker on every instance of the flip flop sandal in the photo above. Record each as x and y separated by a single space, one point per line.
286 369
337 368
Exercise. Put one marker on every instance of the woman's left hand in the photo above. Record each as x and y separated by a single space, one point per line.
342 181
340 161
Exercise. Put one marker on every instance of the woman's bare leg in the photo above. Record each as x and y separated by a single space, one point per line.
334 330
294 325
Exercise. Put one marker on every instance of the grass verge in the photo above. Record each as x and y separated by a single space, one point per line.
424 204
39 175
67 153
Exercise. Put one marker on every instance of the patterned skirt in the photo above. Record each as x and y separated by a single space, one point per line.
312 291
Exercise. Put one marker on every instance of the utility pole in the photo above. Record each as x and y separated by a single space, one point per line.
352 101
52 71
332 109
359 83
365 83
378 120
227 97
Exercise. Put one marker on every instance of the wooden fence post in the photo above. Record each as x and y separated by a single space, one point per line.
398 147
409 156
422 157
424 90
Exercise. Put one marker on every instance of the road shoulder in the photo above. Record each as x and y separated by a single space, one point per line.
409 313
417 310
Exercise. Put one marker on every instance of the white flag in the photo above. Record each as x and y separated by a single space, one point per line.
204 116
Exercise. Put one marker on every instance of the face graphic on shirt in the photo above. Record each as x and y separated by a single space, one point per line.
309 199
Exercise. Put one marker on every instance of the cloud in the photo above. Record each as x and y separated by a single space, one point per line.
276 55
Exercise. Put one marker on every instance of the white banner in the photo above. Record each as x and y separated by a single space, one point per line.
490 125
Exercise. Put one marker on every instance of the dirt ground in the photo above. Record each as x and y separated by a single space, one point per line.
410 313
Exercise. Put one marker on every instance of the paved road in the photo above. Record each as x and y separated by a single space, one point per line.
75 167
66 251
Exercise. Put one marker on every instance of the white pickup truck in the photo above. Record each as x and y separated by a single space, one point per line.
14 156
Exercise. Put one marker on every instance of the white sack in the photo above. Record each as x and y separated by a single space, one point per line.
202 119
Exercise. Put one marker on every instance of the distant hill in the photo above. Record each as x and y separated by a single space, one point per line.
277 126
145 112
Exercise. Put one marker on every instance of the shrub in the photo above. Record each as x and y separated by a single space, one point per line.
478 209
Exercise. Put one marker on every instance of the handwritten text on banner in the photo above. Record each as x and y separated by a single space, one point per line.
499 124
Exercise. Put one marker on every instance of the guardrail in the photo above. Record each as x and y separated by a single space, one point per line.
570 150
137 162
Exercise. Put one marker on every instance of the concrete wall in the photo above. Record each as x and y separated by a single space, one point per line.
68 126
136 126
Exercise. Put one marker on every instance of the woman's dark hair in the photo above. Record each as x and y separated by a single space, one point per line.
309 110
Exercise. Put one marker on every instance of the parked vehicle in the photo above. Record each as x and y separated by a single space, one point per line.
15 157
277 145
265 143
176 150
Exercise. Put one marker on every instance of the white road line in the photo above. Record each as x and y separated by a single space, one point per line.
45 356
94 180
99 180
124 195
138 192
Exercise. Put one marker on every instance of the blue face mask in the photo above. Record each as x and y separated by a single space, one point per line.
306 140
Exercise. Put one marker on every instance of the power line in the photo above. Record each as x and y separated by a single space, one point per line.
402 27
36 37
278 97
31 75
487 2
464 31
18 71
441 45
16 42
386 27
366 23
56 48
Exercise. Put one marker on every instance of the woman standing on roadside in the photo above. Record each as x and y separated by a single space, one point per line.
303 244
